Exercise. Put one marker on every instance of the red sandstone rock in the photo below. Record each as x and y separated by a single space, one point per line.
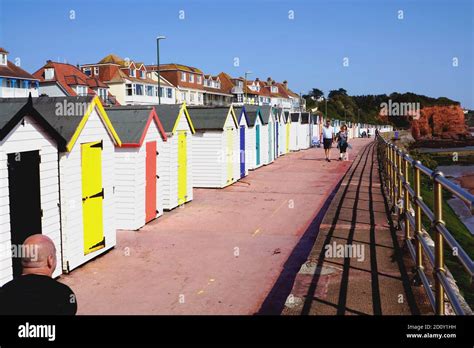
440 122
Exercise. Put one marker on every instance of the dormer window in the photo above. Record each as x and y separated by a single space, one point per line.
142 74
191 78
132 73
96 70
274 89
87 71
49 73
199 79
3 59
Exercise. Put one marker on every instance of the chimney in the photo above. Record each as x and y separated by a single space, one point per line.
257 80
285 83
269 80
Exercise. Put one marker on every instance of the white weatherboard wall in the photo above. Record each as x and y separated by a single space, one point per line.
168 170
130 182
281 138
243 122
30 137
208 159
264 144
71 194
294 133
236 155
303 136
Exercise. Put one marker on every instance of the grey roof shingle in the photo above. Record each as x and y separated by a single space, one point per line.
206 118
12 111
295 117
305 118
168 115
63 113
252 113
129 123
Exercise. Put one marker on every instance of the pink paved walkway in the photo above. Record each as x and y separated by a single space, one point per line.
221 253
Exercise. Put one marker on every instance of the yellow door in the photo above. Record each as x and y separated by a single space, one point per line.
287 138
230 155
92 196
182 167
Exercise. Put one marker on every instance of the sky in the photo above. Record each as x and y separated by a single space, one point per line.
364 46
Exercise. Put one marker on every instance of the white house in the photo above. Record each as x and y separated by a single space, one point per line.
14 81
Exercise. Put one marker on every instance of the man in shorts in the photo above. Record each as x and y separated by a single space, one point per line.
327 136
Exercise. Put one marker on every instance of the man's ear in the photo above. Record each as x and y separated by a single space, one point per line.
51 262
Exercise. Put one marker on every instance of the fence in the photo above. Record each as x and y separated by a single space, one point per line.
409 204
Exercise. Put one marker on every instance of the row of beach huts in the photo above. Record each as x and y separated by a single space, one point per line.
76 172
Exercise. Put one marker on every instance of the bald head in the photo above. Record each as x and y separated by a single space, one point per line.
39 255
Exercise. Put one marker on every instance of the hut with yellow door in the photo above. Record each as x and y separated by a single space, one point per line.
176 159
86 176
216 146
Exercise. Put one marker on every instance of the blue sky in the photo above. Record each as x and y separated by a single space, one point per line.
385 53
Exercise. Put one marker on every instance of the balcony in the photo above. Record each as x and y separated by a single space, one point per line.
13 92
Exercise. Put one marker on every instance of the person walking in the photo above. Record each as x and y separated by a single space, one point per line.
327 136
342 142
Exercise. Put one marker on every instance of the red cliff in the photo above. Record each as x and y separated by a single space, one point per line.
440 122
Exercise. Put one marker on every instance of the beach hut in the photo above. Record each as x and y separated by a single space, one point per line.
86 176
216 146
295 131
316 129
28 182
138 192
287 117
254 139
176 159
281 130
304 135
244 142
268 130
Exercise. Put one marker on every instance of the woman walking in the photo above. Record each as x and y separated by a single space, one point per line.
342 143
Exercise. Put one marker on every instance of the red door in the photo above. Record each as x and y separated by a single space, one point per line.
150 192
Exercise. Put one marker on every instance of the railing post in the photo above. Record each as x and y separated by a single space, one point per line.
417 232
389 170
438 240
394 177
406 200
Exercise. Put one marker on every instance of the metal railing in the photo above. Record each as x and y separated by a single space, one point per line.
408 201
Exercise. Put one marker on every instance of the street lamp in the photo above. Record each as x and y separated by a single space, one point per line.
158 64
245 84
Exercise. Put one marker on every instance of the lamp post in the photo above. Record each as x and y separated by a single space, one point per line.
358 118
245 84
158 38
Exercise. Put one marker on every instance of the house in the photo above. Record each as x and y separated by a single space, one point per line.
138 191
86 176
129 81
14 81
216 146
304 134
295 130
176 159
167 90
62 80
189 82
29 182
215 94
